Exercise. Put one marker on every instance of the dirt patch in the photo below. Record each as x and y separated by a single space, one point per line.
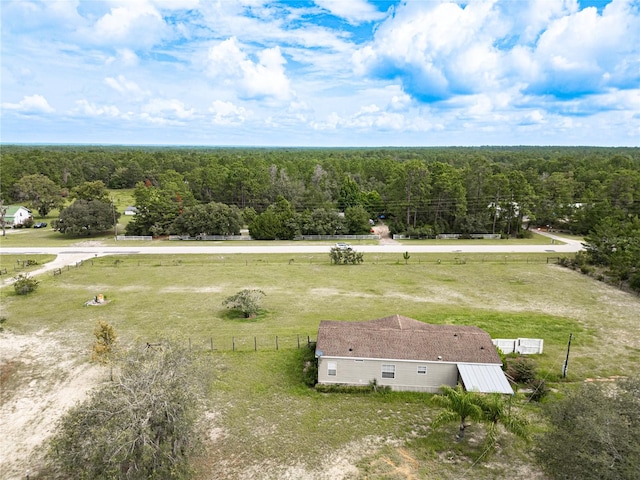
42 377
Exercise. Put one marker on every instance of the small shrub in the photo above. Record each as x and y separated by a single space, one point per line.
539 389
366 389
310 365
586 269
24 284
521 369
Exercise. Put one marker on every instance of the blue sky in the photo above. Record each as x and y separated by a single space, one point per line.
321 73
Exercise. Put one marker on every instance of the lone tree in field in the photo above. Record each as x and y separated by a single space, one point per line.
104 345
140 426
247 302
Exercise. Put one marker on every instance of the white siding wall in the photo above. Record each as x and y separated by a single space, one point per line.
360 372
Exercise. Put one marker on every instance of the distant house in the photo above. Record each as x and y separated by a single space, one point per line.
408 355
130 211
16 215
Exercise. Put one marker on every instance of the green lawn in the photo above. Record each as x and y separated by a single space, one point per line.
265 416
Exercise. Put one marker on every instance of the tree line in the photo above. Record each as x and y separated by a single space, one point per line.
281 193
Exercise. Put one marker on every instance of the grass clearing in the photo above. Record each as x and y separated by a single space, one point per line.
263 422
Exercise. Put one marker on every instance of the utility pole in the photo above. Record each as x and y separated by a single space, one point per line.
566 362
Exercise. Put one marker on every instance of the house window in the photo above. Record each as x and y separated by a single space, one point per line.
422 369
332 369
388 371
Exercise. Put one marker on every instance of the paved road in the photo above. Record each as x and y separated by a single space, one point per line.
71 255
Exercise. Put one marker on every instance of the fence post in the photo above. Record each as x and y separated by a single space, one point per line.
298 342
189 343
255 344
233 344
276 342
212 344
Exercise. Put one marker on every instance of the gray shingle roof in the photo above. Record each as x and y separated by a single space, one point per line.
402 338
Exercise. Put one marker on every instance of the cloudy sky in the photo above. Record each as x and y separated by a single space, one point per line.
321 73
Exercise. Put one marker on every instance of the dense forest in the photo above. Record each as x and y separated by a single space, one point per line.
281 193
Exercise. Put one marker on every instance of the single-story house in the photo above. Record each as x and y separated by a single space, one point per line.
16 215
409 355
130 210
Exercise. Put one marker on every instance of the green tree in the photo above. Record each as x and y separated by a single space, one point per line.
86 218
409 192
140 426
278 221
104 344
349 195
246 301
157 210
594 433
210 219
39 193
459 405
3 222
321 221
357 220
90 191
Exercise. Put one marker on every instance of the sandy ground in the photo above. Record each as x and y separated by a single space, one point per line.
41 378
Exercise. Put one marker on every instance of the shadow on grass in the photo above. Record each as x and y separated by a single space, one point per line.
236 316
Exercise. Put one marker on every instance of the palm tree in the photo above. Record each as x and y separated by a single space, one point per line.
497 411
459 404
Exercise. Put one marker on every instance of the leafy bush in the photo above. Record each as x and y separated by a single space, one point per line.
371 388
310 365
593 434
140 426
521 369
247 302
345 256
25 284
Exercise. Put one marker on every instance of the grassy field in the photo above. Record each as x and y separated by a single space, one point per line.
263 422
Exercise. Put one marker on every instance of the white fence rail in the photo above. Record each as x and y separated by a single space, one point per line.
135 237
337 237
523 346
210 237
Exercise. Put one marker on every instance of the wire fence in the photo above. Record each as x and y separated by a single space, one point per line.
248 343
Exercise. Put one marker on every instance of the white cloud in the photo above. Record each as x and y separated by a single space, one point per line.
226 113
132 23
128 57
586 52
83 107
354 11
265 77
124 86
30 104
440 49
436 49
168 109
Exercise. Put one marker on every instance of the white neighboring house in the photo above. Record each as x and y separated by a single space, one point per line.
130 210
409 355
16 215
